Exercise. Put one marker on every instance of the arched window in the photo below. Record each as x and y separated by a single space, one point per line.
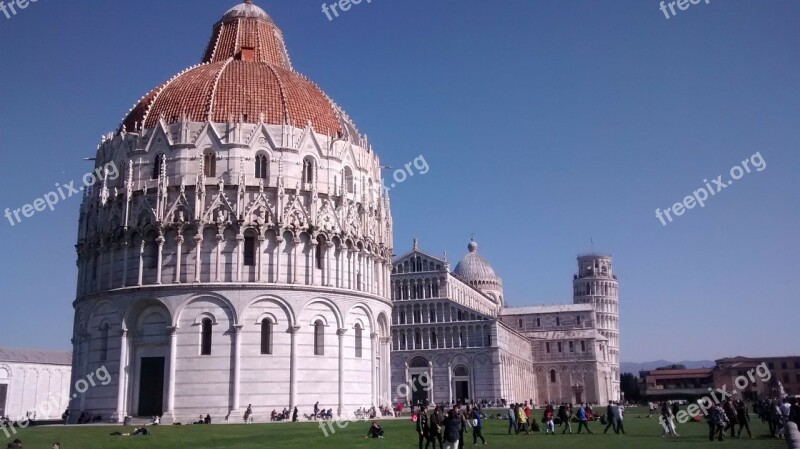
309 165
249 248
558 321
319 338
104 342
319 253
157 166
359 346
578 319
266 336
151 252
261 166
349 182
205 337
553 376
209 164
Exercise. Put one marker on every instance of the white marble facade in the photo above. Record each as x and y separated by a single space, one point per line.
453 328
234 259
34 384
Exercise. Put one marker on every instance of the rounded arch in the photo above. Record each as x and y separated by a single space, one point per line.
419 361
135 312
203 316
383 325
329 304
280 302
267 316
318 318
228 305
363 307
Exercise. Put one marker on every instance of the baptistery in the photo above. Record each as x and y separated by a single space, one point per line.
237 249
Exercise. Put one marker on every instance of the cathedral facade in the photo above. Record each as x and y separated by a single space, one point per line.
244 254
455 340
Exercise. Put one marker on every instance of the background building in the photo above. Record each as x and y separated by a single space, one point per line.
453 328
243 254
34 383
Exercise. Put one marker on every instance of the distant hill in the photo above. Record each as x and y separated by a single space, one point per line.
628 367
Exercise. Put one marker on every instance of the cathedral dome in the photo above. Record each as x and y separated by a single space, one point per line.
475 270
245 76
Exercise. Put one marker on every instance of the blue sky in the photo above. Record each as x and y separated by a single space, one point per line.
545 124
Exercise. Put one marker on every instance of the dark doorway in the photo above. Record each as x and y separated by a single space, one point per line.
462 391
151 387
3 396
419 394
578 397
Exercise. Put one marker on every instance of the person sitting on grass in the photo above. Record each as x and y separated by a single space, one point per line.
375 431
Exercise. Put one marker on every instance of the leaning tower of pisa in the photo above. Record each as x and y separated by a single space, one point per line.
597 284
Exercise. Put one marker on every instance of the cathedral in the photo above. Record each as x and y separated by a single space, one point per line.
454 339
244 254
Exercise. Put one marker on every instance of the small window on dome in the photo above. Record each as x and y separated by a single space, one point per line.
247 54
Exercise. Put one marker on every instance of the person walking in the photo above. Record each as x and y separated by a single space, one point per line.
565 415
549 426
477 426
423 428
668 427
618 418
730 413
294 415
435 427
743 417
522 421
464 425
512 418
611 424
452 426
717 423
582 419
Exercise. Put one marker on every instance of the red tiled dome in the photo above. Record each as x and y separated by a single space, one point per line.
245 75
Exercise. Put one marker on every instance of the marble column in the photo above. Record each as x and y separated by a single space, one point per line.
198 245
341 333
122 377
260 251
450 382
293 331
217 270
178 254
407 383
126 244
173 364
159 265
373 338
239 256
237 365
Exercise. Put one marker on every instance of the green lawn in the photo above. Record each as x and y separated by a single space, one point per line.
641 433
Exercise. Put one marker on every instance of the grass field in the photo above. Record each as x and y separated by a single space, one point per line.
641 433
